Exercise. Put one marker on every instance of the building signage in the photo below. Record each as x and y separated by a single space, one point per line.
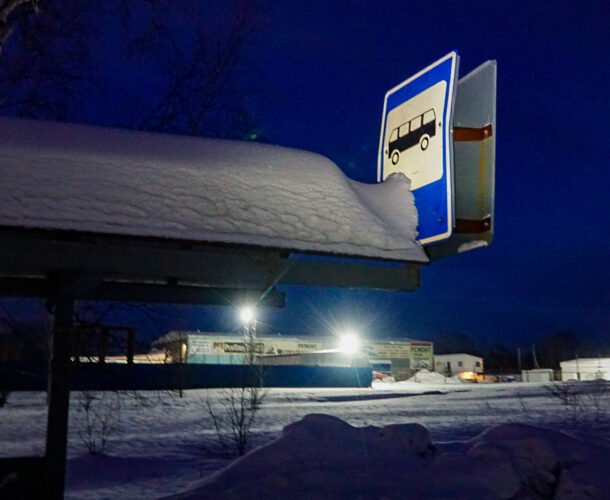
422 356
387 350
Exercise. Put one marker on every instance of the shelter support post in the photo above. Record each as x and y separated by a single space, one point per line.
58 397
102 345
131 345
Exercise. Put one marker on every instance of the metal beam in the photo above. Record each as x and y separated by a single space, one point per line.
135 259
352 275
141 260
145 292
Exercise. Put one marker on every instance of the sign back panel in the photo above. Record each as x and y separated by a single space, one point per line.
474 145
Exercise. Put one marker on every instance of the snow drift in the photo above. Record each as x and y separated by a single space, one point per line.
324 457
428 377
83 178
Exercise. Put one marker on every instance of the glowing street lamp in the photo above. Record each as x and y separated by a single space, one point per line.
349 343
246 315
248 319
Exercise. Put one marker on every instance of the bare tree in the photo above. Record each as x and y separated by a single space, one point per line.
8 10
46 67
191 59
586 399
55 59
202 93
23 340
234 411
95 319
233 416
98 416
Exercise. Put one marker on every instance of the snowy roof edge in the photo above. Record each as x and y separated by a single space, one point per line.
89 179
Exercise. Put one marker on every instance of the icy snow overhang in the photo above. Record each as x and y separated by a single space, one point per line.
81 178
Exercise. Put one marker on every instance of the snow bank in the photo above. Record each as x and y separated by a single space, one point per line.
323 457
428 377
82 178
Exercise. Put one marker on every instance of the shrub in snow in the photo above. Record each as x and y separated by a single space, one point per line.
583 399
234 412
233 416
597 399
3 395
97 417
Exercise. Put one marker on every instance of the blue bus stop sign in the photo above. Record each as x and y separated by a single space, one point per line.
416 141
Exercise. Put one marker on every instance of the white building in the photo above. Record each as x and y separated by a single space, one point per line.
585 369
452 364
537 375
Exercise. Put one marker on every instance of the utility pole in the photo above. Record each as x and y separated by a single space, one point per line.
182 348
536 365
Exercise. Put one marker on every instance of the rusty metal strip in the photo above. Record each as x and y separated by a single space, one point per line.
481 192
472 134
471 226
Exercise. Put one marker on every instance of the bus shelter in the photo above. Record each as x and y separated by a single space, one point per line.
97 214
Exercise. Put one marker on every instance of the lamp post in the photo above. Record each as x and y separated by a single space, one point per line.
248 319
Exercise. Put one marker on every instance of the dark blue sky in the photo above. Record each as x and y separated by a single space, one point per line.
325 69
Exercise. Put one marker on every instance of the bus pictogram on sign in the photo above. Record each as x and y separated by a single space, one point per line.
417 130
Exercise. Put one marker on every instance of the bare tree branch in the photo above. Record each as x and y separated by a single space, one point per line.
193 59
7 9
45 68
202 94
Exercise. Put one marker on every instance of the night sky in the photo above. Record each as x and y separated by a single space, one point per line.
321 69
326 68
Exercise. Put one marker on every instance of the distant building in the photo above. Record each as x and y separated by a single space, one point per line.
466 365
327 357
537 375
585 369
401 357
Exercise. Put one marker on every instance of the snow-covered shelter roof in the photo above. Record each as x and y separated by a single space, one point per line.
82 178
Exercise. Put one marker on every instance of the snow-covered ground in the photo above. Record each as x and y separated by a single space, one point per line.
160 444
